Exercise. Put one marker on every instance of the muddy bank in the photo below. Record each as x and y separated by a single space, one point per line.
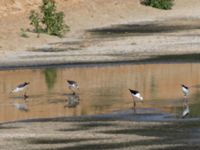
99 133
135 42
101 31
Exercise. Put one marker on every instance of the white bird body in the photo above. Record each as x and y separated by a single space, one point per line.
17 89
137 97
20 87
72 85
185 90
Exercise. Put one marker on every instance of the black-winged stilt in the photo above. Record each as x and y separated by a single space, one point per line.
185 90
20 88
136 98
73 85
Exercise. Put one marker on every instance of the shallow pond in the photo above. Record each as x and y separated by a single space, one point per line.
103 89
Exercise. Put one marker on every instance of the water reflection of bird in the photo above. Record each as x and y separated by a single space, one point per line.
72 100
20 88
21 106
136 98
72 85
185 90
186 111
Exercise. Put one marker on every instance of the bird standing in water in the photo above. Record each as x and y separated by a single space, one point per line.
72 85
136 98
185 90
20 88
186 110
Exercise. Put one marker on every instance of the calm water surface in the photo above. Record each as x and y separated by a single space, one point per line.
103 89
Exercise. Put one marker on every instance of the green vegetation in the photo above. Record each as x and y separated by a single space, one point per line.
50 77
161 4
48 20
23 33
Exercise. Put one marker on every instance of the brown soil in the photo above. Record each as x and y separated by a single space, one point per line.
81 15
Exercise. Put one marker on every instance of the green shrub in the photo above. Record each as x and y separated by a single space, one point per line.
23 33
35 21
161 4
49 21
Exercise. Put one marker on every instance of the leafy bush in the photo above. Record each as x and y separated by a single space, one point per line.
48 21
35 21
161 4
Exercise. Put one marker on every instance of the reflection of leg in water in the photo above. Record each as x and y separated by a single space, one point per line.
21 106
25 96
186 109
72 101
134 106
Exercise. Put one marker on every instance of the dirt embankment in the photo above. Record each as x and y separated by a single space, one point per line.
81 15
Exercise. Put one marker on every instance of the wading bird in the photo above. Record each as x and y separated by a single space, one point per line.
185 90
72 85
136 98
20 88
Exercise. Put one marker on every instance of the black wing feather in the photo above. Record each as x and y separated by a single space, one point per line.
133 91
71 82
22 85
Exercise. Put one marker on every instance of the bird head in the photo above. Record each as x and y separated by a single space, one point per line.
27 83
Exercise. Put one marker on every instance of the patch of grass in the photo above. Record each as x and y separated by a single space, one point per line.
35 21
160 4
23 33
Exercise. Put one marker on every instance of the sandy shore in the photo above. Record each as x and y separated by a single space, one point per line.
129 31
95 132
134 42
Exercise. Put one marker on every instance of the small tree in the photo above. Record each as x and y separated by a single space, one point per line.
49 21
